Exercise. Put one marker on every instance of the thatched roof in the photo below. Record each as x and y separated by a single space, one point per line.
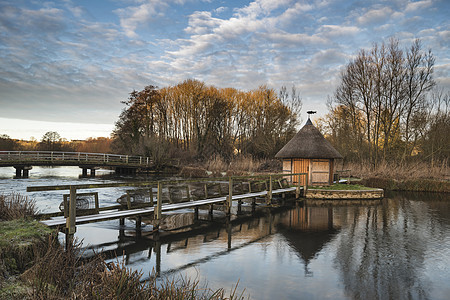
308 143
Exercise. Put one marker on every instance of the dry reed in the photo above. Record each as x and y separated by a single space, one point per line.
401 171
62 274
15 206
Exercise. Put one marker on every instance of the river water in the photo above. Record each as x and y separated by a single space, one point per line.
396 248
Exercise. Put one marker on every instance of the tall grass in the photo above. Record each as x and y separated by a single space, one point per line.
401 171
15 206
241 165
61 274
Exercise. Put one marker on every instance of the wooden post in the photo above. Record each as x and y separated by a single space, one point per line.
128 200
297 191
157 249
66 207
138 222
97 206
206 191
196 213
230 194
170 195
229 230
157 214
187 193
269 192
151 196
305 189
70 221
211 211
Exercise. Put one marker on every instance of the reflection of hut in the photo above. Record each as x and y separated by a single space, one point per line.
309 152
307 231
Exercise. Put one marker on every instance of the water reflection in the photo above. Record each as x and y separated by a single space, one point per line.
381 251
396 248
308 230
389 250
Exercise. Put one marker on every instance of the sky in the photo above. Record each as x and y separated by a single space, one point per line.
66 65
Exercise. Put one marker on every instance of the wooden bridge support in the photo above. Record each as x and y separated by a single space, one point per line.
22 171
84 172
125 171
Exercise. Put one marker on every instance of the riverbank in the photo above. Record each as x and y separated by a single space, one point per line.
412 176
412 185
34 265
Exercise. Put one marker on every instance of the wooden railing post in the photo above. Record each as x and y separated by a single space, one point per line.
157 214
97 206
151 196
128 200
70 221
230 194
299 182
269 192
305 189
206 191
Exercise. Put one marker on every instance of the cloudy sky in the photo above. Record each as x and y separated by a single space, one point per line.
66 65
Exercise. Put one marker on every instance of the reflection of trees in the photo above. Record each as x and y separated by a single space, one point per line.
382 250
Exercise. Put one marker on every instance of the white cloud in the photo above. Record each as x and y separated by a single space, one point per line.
375 16
133 16
418 5
201 22
334 31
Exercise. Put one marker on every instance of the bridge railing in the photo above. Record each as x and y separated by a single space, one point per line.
54 156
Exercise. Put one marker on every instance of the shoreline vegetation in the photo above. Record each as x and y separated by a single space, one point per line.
34 265
417 177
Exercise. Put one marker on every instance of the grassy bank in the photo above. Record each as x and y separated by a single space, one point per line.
413 176
341 187
413 185
240 165
33 265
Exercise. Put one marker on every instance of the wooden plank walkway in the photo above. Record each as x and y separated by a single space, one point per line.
117 214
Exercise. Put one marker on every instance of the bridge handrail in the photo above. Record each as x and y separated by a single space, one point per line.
72 156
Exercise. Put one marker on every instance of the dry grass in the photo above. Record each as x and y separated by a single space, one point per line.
241 165
61 274
216 165
15 206
398 171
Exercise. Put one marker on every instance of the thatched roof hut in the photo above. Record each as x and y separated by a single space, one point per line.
309 152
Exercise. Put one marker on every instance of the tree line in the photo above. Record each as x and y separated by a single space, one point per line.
52 141
192 119
387 107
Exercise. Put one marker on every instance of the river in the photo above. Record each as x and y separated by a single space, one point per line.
396 248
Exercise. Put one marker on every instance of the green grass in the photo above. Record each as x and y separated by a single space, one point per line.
21 232
341 187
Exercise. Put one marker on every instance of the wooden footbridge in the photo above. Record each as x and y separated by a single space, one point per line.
23 161
170 196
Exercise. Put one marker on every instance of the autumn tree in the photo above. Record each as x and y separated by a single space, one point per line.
203 121
385 90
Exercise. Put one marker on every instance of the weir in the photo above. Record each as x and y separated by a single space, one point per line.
236 188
